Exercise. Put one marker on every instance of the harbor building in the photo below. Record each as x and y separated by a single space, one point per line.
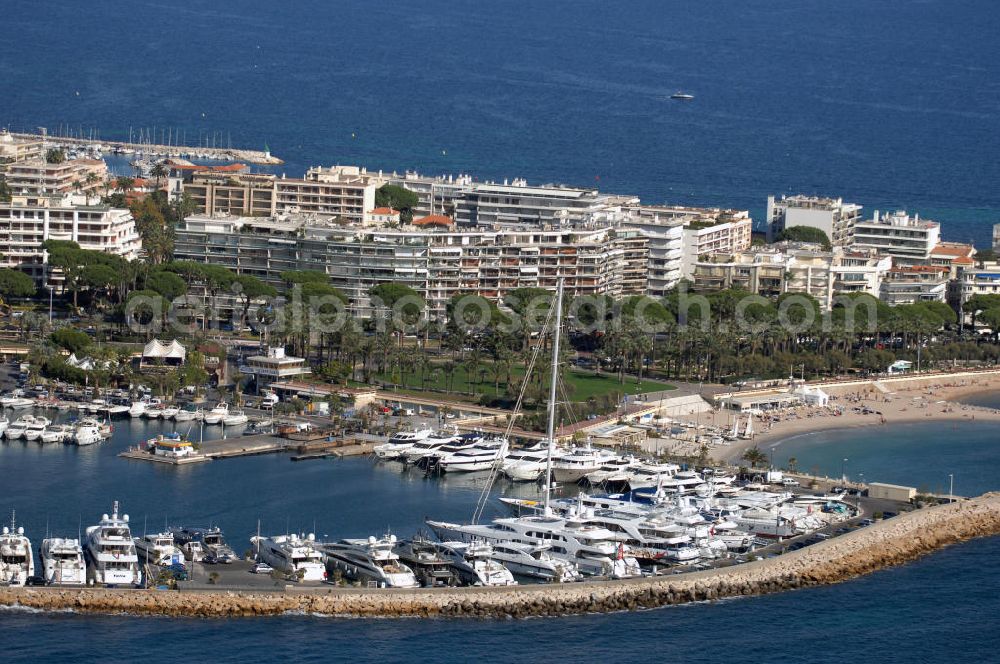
28 221
14 149
831 215
346 192
908 239
912 284
86 176
438 262
274 366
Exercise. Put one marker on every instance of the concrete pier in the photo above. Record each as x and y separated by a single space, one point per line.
881 545
221 154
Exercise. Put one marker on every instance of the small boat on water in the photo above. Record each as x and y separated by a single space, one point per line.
217 414
682 96
189 413
16 400
57 433
87 432
62 562
138 408
235 418
16 429
170 412
35 429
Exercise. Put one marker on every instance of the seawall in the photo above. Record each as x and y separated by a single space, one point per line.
881 545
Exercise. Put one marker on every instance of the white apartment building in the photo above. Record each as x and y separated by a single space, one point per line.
39 177
27 221
983 280
14 149
909 239
794 268
437 263
996 237
913 284
273 366
435 194
831 215
677 236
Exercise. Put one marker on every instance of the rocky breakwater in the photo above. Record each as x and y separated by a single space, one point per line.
886 543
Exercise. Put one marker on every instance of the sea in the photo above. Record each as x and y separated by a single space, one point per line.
888 104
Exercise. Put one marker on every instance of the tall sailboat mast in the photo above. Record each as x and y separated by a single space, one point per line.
550 430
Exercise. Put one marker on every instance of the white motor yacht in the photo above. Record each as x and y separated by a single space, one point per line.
189 413
296 557
483 456
62 562
217 414
154 410
57 433
170 412
575 464
235 418
529 464
371 561
473 564
110 551
158 549
87 432
17 428
428 446
535 560
138 408
399 443
210 542
34 430
16 561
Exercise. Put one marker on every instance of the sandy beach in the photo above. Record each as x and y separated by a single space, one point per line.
875 404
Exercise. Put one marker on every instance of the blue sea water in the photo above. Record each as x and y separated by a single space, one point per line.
890 104
918 454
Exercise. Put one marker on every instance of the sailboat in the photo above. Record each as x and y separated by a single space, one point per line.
748 431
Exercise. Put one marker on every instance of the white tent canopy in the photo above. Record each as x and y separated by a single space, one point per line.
812 396
159 350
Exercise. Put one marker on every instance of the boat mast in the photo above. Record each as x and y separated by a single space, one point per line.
550 430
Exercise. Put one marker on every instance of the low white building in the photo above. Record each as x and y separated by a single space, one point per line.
274 366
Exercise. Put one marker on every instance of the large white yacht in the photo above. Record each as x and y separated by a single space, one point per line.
482 456
295 556
370 561
400 442
575 464
110 551
217 414
62 562
473 564
57 433
428 446
158 549
528 465
595 550
16 561
535 560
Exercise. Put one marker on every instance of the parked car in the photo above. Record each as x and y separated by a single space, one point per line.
261 568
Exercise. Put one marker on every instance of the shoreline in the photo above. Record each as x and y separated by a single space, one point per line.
884 544
905 401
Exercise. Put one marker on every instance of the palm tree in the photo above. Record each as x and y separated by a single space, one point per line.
159 171
90 181
125 184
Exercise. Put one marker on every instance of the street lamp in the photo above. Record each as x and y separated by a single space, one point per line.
843 469
951 487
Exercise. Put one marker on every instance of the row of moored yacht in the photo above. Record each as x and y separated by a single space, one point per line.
444 452
154 409
40 429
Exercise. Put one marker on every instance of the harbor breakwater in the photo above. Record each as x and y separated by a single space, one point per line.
875 547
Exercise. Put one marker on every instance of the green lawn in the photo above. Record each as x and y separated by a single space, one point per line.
582 385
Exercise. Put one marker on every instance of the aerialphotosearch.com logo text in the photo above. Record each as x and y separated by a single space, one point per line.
315 315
